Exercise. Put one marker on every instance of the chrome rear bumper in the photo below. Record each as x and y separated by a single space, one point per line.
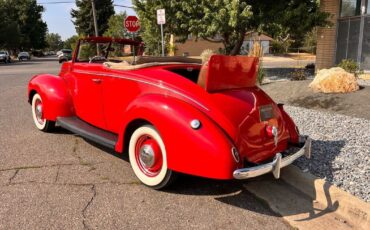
274 166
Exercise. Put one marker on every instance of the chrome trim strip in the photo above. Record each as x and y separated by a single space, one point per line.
145 82
274 166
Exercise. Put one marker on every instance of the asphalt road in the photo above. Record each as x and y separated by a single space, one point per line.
61 181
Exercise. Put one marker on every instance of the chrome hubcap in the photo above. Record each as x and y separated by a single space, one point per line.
147 156
39 111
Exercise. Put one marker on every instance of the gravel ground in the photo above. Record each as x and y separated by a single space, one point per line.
340 149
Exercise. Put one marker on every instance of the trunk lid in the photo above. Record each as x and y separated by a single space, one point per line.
231 83
251 112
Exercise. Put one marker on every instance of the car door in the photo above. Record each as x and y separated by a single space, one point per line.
87 95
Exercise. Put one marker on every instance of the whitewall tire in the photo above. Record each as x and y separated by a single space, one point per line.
148 158
38 114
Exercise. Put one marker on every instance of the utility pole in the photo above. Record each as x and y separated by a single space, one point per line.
95 25
94 16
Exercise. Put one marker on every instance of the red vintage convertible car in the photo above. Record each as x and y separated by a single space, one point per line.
171 114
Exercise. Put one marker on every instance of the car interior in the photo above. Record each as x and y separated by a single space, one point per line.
126 57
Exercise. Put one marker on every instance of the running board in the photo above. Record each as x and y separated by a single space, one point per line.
82 128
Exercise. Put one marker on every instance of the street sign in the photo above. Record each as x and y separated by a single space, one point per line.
161 20
161 17
132 24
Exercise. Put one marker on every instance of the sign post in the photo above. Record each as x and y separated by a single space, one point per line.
161 19
132 25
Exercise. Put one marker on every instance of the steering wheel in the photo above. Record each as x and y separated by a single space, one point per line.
97 59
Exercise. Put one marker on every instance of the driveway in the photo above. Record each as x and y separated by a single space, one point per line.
61 181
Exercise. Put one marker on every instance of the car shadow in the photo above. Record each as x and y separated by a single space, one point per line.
237 194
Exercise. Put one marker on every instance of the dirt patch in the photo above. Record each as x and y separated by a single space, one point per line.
297 93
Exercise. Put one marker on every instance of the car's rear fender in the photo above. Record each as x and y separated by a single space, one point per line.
202 152
290 125
54 93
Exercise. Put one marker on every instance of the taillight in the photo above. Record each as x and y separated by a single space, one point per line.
271 131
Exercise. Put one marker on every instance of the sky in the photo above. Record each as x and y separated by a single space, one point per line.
58 16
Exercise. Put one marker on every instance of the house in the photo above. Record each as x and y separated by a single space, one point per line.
194 47
348 38
251 38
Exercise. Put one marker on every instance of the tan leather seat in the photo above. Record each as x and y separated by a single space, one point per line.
203 75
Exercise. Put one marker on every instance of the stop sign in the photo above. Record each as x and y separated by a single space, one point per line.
132 24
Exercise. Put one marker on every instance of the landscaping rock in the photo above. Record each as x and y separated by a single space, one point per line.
340 149
334 80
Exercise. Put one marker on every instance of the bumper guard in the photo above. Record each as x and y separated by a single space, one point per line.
277 163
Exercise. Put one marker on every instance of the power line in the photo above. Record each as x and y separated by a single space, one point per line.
123 6
68 2
59 2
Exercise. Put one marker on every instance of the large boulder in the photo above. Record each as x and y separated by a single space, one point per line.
334 80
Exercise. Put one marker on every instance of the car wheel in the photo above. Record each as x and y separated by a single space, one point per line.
38 115
148 158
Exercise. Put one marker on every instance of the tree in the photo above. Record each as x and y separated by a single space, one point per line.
21 25
229 20
54 41
293 19
71 42
83 16
115 26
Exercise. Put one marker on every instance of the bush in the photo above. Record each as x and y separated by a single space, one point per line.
298 75
310 66
206 54
260 74
350 66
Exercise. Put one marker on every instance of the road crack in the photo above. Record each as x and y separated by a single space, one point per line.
93 189
14 175
57 176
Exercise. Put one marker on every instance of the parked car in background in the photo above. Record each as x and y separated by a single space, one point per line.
65 55
5 57
170 114
24 56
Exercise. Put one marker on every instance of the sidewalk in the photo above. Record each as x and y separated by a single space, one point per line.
286 62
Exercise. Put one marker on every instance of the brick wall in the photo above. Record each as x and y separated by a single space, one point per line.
326 37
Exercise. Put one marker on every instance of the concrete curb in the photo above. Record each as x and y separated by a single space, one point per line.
353 210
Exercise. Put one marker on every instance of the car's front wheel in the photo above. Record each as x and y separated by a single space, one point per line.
38 115
148 158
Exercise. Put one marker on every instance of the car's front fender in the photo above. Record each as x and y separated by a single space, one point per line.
202 152
54 93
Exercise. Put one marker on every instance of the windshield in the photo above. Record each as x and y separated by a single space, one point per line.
67 51
2 52
106 51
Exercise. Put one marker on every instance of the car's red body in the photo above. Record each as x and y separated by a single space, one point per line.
229 110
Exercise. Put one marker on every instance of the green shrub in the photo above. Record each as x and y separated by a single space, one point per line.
298 75
350 66
261 74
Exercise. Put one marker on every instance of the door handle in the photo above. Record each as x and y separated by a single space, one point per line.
96 80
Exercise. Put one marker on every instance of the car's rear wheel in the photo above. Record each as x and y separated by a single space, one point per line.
148 158
38 115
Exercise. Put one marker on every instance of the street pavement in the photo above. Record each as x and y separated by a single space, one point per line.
61 181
